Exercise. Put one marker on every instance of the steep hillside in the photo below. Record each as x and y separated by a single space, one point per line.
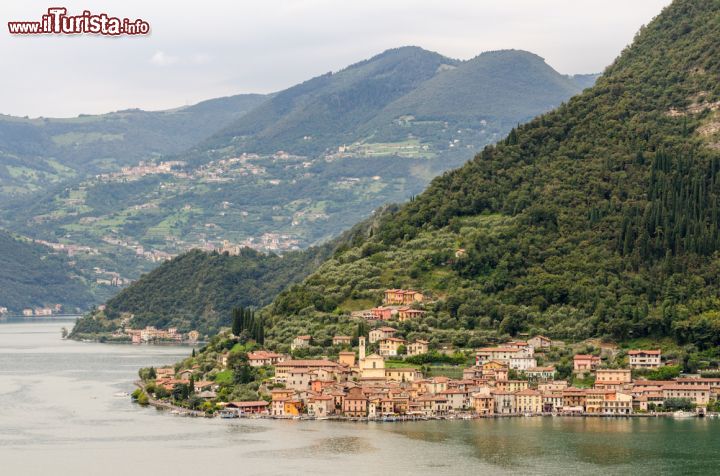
597 219
36 153
33 276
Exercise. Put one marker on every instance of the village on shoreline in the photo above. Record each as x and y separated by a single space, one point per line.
376 379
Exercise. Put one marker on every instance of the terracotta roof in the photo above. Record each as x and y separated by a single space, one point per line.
256 403
498 349
528 392
307 363
705 388
704 380
649 352
262 354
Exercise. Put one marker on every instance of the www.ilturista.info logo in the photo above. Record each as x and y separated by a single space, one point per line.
57 22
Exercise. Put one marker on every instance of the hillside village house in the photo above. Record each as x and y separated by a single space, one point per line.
321 405
483 403
390 346
402 296
585 363
541 373
300 341
612 378
262 358
528 401
342 340
418 347
617 403
283 369
382 313
406 313
516 357
346 358
381 333
698 394
644 359
594 399
540 342
552 401
355 403
403 374
512 385
504 402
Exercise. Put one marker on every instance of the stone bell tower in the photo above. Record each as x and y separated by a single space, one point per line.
361 348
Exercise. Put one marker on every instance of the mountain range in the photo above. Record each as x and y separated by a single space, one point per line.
275 173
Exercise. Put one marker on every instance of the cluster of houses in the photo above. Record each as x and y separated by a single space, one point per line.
397 305
41 311
368 387
152 334
388 344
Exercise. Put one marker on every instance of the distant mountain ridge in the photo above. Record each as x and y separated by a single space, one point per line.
365 98
36 153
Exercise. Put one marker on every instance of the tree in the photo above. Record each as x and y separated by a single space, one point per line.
180 392
673 404
236 322
147 373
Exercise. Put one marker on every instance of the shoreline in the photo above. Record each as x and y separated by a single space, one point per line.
186 412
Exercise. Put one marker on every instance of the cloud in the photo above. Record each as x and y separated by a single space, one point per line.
160 58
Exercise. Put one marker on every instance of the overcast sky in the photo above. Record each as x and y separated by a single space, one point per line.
203 49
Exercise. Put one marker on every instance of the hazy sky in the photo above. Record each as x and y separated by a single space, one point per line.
203 49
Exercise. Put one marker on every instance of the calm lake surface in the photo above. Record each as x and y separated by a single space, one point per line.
59 416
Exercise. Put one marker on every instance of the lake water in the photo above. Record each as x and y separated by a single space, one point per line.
59 416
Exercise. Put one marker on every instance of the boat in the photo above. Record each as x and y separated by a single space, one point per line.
683 414
121 394
228 414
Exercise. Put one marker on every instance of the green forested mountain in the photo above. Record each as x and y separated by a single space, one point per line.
36 153
599 219
33 276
